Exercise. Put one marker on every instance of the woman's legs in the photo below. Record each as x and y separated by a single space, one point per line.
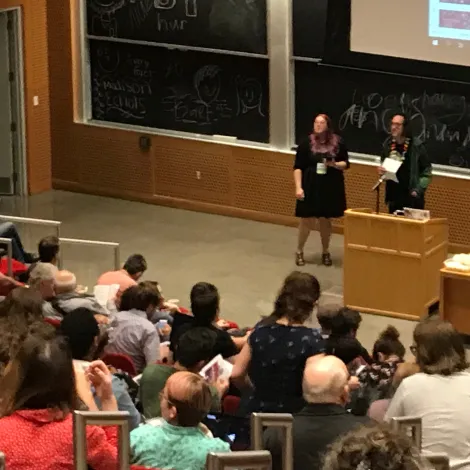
325 236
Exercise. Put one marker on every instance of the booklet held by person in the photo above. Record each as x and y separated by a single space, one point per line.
104 294
217 368
391 166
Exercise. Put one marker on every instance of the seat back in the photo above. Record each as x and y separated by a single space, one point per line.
437 461
120 362
411 426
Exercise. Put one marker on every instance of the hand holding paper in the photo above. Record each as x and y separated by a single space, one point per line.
391 166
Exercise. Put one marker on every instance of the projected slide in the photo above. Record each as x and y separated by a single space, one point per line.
425 30
449 19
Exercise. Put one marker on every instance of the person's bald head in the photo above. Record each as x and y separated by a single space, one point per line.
326 380
65 281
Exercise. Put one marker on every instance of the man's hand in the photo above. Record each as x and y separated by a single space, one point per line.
101 378
222 386
414 193
381 170
299 194
101 319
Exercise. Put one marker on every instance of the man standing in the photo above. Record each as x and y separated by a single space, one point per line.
415 171
326 391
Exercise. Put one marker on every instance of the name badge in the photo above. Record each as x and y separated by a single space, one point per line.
321 168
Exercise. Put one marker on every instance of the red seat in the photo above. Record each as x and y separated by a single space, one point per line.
55 322
230 404
120 362
139 467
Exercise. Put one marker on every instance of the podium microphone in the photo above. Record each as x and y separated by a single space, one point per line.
379 182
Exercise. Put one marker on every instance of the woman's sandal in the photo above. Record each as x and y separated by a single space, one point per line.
299 258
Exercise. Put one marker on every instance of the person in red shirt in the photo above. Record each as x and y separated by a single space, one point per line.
39 394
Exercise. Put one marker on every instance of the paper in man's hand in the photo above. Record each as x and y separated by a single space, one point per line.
391 166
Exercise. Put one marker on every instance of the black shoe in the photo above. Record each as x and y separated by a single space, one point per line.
326 259
299 258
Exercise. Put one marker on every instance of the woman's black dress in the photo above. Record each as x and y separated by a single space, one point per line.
325 195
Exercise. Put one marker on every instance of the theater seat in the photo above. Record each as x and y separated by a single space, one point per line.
230 404
55 322
138 467
120 362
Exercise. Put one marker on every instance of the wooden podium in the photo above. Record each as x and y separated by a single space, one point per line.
392 264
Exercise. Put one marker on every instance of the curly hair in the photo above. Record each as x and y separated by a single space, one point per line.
373 447
20 316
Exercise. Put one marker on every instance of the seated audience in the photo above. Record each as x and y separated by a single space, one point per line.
68 299
8 230
195 349
178 442
205 303
128 276
378 408
42 280
373 448
439 393
38 398
81 330
161 312
274 357
322 420
342 341
375 380
132 332
20 316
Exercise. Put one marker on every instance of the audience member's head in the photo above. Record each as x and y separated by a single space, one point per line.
39 377
186 399
297 298
439 349
325 316
135 266
42 279
205 301
65 282
345 322
20 315
326 381
48 249
81 331
153 286
195 348
143 297
374 447
388 346
23 304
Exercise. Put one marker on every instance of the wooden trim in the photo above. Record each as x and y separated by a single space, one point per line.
385 313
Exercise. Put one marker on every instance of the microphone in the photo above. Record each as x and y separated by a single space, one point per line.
379 182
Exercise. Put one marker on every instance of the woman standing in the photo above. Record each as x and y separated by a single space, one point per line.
319 185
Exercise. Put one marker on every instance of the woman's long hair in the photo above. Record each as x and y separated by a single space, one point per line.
20 315
41 376
296 299
326 142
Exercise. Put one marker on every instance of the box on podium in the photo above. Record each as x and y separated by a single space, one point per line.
392 264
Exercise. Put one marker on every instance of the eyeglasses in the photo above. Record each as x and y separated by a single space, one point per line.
413 349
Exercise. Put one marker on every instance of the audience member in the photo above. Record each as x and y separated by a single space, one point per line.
38 397
48 250
128 276
161 312
205 303
378 408
375 380
132 332
20 315
178 442
81 330
275 355
195 349
373 447
439 393
325 316
322 420
342 341
8 230
42 280
68 299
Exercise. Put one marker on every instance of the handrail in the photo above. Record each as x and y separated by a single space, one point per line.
9 243
78 241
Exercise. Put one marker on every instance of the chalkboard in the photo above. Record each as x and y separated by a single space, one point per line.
361 104
198 92
309 27
237 25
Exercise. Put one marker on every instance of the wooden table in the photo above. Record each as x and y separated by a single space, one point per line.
455 299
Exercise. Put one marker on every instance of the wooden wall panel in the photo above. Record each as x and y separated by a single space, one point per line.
36 71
